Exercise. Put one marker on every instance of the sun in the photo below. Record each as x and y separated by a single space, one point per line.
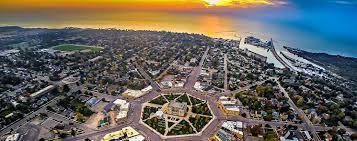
212 2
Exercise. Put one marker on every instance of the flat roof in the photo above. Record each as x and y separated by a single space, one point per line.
42 91
178 104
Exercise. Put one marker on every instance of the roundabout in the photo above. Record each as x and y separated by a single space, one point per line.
172 115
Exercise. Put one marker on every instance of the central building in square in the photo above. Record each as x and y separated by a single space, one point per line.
177 108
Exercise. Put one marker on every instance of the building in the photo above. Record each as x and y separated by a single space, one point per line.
289 136
228 106
122 115
127 134
13 137
234 127
222 135
92 102
43 91
166 84
104 121
177 108
129 93
122 107
95 59
107 108
255 55
70 80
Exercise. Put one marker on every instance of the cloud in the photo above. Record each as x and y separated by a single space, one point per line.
344 2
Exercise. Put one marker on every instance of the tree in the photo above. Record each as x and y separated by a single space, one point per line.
62 135
49 108
341 115
73 133
66 88
341 131
244 115
354 136
300 102
79 117
255 130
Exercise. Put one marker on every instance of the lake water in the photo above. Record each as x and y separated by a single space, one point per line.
214 25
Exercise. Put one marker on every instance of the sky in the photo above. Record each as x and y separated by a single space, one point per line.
327 16
14 5
334 21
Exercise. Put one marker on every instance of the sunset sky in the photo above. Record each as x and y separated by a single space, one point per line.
138 4
290 20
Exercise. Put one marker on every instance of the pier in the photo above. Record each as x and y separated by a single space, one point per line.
286 65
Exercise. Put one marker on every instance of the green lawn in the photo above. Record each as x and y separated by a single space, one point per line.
195 101
183 98
171 97
202 109
70 47
182 128
199 122
157 124
159 100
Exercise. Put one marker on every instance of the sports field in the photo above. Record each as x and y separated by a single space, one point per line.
70 47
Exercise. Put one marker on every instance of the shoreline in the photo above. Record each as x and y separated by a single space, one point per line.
235 37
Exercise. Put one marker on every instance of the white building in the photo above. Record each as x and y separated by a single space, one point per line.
13 137
235 127
42 91
123 109
129 93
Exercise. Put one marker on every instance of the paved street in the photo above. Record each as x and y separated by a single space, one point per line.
154 85
135 110
134 113
308 124
26 118
225 72
192 79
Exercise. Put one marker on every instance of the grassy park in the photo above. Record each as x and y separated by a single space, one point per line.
70 47
196 118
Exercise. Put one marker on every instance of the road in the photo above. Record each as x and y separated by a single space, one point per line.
134 113
225 72
229 93
154 85
135 110
191 80
27 117
308 125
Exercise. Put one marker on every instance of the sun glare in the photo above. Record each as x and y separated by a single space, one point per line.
237 3
212 2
